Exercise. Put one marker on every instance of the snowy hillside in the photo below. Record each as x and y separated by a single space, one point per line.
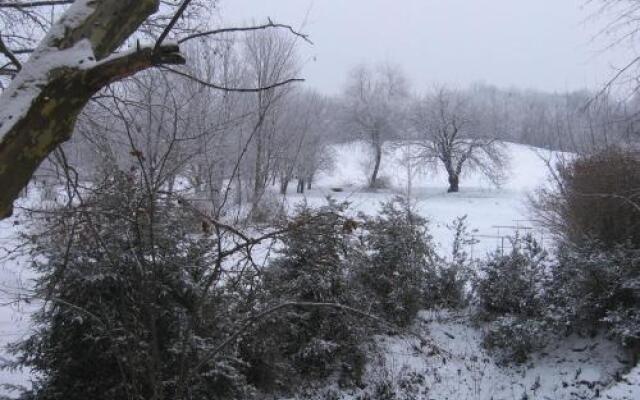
575 368
494 212
569 369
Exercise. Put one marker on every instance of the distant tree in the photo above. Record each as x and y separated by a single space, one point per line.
451 133
302 145
270 57
373 101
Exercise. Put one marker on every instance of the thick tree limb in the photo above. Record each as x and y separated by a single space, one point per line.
50 120
54 94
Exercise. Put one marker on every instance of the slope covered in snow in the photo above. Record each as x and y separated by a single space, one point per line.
495 212
569 368
575 368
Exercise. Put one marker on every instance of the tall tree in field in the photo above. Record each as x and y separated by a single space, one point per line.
453 135
373 101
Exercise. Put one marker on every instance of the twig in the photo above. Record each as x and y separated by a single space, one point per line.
43 3
5 50
171 24
228 89
247 29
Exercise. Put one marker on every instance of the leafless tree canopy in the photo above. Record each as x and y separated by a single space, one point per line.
373 108
452 133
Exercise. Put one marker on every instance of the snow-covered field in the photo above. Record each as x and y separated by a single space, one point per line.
494 212
575 368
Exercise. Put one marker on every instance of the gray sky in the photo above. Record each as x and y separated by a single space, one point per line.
542 44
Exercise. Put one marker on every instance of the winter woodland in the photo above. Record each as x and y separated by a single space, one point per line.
183 216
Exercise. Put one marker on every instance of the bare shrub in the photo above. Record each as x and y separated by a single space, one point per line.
594 196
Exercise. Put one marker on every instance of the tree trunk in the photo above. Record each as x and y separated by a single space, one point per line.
454 181
259 180
238 192
284 185
57 95
376 167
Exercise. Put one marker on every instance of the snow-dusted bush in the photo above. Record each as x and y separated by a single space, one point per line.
510 294
513 339
381 265
399 261
448 285
594 287
309 342
594 212
125 309
383 390
513 283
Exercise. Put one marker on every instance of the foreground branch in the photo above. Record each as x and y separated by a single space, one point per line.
52 115
39 109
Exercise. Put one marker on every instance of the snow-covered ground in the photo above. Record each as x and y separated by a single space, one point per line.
574 368
15 278
495 212
571 368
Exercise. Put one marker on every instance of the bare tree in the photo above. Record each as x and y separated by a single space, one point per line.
78 55
302 140
451 133
373 101
270 57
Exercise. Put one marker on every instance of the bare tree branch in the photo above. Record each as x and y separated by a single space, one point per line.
9 54
172 23
228 89
247 29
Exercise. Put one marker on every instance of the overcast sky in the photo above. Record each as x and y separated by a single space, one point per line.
542 44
